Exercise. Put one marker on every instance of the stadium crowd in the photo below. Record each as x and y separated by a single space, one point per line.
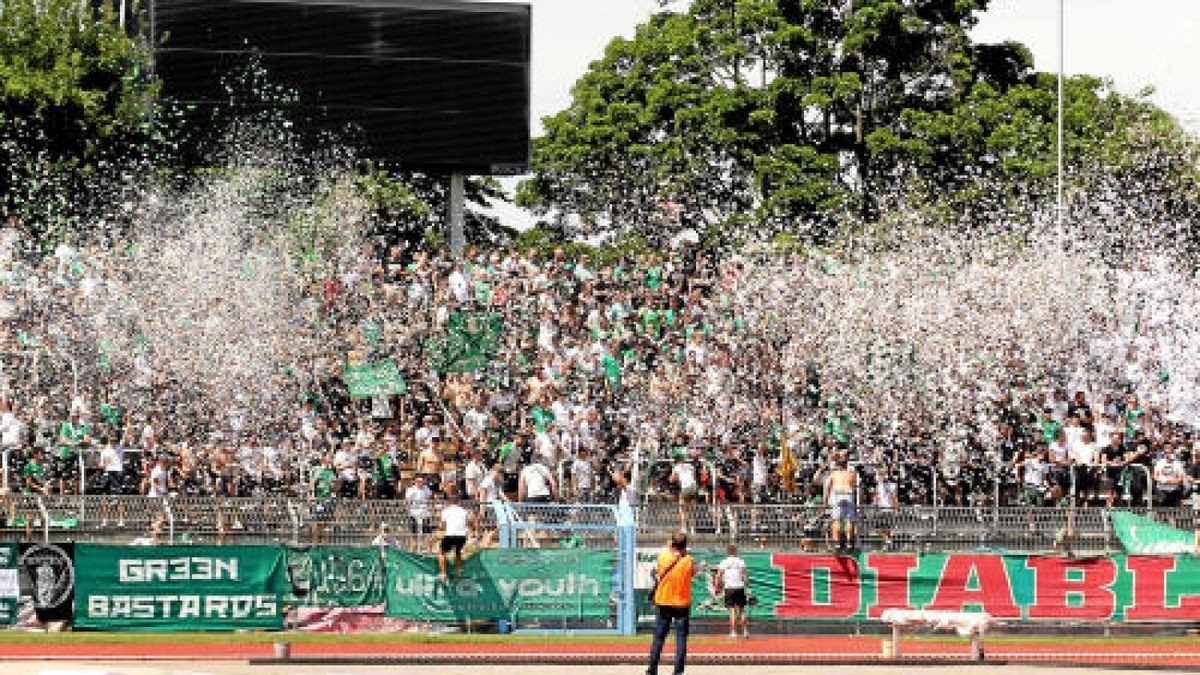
570 379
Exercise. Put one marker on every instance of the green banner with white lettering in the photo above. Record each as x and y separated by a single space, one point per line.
334 576
502 584
179 588
10 588
370 380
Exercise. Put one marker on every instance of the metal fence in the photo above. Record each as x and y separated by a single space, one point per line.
788 527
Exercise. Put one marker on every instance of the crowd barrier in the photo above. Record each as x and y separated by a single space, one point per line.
273 586
276 519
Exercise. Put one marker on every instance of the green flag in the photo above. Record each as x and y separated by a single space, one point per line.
375 379
1145 536
472 340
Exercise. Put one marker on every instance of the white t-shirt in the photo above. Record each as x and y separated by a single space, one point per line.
418 501
488 490
346 463
685 473
426 435
12 430
582 470
885 494
459 286
1168 471
454 520
158 481
473 475
537 481
733 572
112 459
1084 453
759 469
1035 471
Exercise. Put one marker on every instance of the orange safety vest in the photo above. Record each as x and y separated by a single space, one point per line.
674 587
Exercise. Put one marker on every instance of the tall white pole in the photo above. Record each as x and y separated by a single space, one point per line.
1062 50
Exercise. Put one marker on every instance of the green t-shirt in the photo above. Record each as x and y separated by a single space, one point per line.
110 413
839 426
541 418
1050 429
654 277
612 369
1131 419
651 319
385 468
35 470
70 437
323 482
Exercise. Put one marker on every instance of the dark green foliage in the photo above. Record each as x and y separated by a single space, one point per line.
745 118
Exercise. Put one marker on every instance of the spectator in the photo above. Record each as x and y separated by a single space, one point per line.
672 599
418 497
456 525
537 484
732 582
841 490
1169 477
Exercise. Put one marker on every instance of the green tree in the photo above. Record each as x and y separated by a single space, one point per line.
74 98
736 115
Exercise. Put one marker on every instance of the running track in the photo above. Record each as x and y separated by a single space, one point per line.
759 650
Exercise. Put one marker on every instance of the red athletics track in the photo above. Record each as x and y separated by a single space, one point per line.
706 649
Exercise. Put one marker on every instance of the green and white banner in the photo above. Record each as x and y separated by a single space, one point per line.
186 588
10 584
502 584
1146 536
371 380
335 576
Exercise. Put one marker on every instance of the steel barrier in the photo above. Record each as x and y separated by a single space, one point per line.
795 527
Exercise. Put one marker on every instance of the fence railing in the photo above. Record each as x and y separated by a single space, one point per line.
796 527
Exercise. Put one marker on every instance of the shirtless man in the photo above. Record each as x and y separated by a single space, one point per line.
429 465
840 489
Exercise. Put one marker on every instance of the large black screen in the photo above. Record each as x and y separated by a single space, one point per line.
432 84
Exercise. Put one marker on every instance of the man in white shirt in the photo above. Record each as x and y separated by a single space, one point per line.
112 462
417 497
345 462
456 522
1035 475
1169 476
536 484
1085 455
731 579
12 429
473 475
160 479
583 477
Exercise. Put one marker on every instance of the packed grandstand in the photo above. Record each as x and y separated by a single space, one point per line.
596 369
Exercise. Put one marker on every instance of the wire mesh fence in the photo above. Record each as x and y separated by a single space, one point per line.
787 527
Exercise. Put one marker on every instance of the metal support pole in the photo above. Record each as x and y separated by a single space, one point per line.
166 503
41 504
457 213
